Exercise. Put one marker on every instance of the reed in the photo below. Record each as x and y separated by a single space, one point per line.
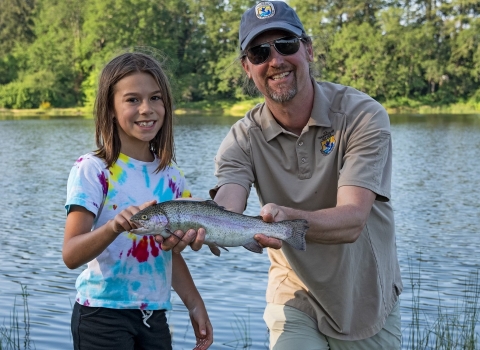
10 336
453 328
241 330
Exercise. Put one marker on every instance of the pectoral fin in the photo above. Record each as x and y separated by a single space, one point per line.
253 246
214 248
167 230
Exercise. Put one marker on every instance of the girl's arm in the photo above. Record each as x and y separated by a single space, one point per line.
183 284
81 245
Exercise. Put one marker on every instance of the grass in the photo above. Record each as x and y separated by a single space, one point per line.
41 113
451 109
241 330
236 109
453 328
17 336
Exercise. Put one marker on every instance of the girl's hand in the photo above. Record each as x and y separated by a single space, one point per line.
180 240
81 245
121 221
202 327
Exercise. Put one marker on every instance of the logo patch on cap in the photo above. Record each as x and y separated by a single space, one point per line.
264 10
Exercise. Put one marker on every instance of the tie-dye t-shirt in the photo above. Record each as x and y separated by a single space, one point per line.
133 272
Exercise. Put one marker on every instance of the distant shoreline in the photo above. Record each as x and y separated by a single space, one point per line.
222 109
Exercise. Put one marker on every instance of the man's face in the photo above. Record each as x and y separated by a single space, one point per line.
280 78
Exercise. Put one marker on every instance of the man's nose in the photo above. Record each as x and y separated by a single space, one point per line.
275 57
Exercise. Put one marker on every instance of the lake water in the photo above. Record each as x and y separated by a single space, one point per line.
436 197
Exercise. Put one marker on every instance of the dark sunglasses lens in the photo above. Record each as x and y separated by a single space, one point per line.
258 54
287 46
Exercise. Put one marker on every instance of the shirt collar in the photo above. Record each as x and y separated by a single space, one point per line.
318 116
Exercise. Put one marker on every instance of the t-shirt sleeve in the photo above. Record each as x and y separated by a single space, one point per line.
87 184
233 163
367 161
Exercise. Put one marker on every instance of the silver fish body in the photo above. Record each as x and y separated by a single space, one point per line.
223 228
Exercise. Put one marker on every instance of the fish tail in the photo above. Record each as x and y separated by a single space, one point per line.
299 230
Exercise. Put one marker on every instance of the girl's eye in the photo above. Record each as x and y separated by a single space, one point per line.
132 99
156 98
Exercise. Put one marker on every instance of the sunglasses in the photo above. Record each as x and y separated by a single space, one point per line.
284 46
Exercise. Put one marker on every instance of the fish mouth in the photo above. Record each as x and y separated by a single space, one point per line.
141 231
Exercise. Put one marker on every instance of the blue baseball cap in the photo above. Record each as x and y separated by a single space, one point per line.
268 15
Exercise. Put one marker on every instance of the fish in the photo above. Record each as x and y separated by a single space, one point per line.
223 228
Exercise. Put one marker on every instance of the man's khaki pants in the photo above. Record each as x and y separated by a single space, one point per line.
291 329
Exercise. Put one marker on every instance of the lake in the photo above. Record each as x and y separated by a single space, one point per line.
436 198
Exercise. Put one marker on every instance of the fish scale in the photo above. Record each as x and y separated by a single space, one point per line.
223 228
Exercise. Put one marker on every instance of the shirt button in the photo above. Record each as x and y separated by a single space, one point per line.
303 160
300 143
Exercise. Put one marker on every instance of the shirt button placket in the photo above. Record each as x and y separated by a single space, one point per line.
302 156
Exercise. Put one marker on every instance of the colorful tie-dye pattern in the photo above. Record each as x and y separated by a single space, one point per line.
133 272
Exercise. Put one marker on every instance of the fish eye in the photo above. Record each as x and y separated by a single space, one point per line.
144 217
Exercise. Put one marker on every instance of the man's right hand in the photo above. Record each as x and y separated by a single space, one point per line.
180 240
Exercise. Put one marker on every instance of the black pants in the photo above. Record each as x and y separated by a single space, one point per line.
98 328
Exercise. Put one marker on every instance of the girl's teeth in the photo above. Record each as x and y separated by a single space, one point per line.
145 124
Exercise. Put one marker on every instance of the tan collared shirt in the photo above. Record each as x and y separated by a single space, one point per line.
349 289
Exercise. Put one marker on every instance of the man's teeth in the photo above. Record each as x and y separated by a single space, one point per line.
145 124
280 76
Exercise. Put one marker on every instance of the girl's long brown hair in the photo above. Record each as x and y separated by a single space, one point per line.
106 132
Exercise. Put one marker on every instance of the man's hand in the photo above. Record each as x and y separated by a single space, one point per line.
270 213
180 240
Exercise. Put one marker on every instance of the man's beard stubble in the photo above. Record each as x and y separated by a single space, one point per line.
285 94
251 89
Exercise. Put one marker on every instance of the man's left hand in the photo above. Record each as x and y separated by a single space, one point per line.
270 213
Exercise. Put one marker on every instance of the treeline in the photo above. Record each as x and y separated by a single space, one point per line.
51 51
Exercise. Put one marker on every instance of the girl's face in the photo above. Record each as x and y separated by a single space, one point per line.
139 113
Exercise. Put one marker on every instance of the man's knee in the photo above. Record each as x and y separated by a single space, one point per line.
290 327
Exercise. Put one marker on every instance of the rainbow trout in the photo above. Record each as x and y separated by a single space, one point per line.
223 228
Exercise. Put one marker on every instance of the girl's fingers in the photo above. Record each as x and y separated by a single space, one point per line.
147 204
201 344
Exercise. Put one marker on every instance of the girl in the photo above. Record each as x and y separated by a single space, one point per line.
124 292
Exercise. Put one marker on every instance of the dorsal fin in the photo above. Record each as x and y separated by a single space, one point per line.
212 202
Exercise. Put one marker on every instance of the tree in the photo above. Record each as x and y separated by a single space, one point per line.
16 31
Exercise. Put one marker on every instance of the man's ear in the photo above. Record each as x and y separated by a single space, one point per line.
309 49
246 68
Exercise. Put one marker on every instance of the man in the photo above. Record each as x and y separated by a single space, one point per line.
320 152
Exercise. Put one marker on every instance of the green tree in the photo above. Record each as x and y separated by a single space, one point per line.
16 23
52 61
357 58
16 31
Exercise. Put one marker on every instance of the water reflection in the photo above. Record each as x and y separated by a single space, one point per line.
435 198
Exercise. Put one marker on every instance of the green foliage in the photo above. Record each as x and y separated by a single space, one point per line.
357 54
8 69
31 90
16 23
421 51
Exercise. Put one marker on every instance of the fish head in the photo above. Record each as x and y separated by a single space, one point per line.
150 222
